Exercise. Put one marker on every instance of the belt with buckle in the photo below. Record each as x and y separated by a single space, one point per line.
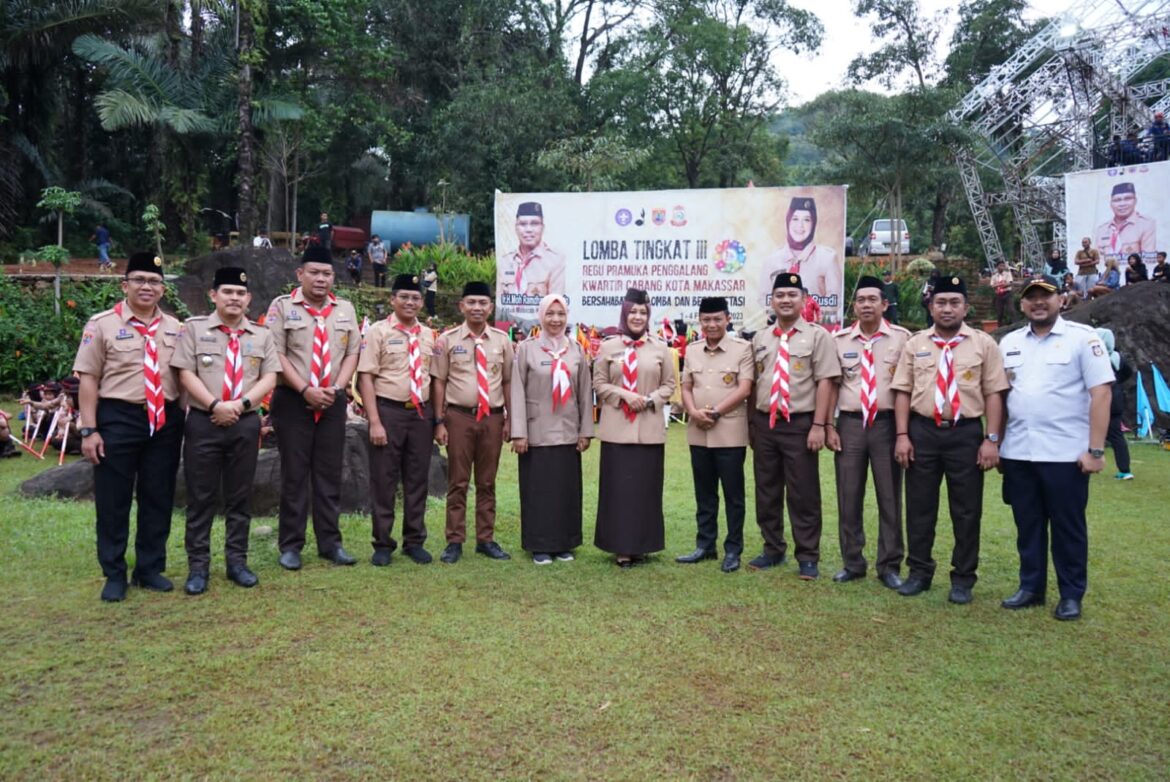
407 405
879 415
472 410
945 424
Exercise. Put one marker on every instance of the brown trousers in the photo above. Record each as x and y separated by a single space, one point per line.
872 448
785 468
310 469
471 444
406 456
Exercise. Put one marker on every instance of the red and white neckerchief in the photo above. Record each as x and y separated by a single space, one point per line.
518 280
780 399
414 363
483 406
561 382
321 365
946 387
869 376
630 373
233 365
156 402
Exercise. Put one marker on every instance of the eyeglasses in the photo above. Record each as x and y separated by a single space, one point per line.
144 281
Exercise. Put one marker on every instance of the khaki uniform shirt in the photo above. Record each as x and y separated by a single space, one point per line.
112 350
292 330
978 367
714 374
1088 261
202 346
543 274
1137 234
656 379
454 361
811 358
886 352
533 416
384 356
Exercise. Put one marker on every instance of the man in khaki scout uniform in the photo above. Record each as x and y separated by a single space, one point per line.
796 367
227 365
309 406
948 377
472 368
716 382
534 268
131 426
395 383
864 436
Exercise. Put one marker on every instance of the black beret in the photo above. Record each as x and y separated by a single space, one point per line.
787 280
315 253
406 282
1123 187
530 209
950 283
476 288
230 275
144 262
713 304
868 282
637 296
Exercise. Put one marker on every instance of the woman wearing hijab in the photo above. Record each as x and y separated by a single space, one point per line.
815 263
552 423
1122 371
1135 270
633 378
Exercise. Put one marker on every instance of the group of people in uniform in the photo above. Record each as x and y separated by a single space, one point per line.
905 408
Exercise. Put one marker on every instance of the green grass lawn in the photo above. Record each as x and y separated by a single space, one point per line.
491 670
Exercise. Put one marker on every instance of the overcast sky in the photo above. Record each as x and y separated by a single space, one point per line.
847 36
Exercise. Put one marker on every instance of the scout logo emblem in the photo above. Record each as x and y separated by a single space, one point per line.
728 379
254 362
797 366
954 280
205 360
968 376
678 216
243 277
759 367
157 261
792 279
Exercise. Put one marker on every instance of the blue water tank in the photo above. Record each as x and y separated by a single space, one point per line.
419 227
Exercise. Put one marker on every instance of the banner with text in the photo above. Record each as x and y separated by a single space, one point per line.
1121 210
679 245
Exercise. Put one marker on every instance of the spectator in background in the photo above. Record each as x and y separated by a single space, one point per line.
1159 134
927 294
1115 154
353 264
1115 437
1088 267
1160 272
890 292
1131 150
1109 282
1001 281
1069 297
1135 270
430 281
325 232
376 252
101 237
262 241
1057 264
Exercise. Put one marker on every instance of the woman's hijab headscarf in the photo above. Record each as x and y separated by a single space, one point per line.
633 297
542 310
1106 336
801 205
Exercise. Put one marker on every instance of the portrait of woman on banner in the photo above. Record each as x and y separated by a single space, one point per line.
817 264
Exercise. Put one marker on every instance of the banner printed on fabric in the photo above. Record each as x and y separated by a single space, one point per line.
1122 210
678 245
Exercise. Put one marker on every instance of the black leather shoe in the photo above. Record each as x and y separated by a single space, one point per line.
290 560
960 595
765 561
153 582
114 591
845 576
418 555
452 553
381 557
196 582
242 576
730 563
1067 609
808 571
914 586
890 580
698 555
1023 599
339 556
492 549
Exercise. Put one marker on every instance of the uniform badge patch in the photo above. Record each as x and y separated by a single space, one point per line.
968 376
205 360
1098 350
728 379
759 367
87 338
254 362
798 366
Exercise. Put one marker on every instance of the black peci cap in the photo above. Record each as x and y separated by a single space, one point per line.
406 282
315 253
144 262
477 288
713 304
787 280
230 275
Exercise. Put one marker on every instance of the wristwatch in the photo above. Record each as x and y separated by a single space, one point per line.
86 431
247 403
1096 453
650 402
715 415
993 437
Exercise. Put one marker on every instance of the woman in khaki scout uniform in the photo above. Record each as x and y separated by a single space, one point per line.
132 426
309 407
227 365
552 423
394 378
717 380
633 454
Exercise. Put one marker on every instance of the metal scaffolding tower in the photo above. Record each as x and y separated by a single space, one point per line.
1053 107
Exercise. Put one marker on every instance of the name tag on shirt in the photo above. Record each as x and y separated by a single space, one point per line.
1012 353
123 334
208 338
851 354
923 354
458 349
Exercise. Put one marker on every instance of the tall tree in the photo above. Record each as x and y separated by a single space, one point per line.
250 13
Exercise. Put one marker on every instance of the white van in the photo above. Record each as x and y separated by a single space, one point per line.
881 238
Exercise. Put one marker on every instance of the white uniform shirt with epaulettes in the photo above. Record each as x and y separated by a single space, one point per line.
292 329
1048 402
112 351
886 352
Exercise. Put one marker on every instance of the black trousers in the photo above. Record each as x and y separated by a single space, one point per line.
1116 439
1046 495
215 458
311 459
379 275
135 460
405 458
710 468
951 454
